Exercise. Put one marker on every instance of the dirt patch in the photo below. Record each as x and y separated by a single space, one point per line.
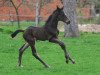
83 28
89 28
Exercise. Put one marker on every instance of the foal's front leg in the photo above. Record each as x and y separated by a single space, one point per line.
67 56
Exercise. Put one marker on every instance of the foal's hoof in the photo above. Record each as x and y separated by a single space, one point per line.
47 66
20 66
67 61
73 61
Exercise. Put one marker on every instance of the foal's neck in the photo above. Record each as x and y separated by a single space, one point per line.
52 22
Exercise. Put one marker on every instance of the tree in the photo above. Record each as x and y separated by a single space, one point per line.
16 6
71 30
39 5
97 6
89 3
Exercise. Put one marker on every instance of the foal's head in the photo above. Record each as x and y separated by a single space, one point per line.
62 16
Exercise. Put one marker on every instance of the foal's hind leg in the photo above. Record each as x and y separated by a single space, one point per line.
21 50
31 42
67 56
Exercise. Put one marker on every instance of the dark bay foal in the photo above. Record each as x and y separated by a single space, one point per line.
48 32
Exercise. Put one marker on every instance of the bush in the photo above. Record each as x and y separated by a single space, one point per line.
98 20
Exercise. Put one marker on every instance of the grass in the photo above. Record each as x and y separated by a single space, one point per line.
85 50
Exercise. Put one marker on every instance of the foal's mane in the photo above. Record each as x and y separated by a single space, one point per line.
50 17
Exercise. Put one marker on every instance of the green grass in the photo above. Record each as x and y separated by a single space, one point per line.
6 27
85 50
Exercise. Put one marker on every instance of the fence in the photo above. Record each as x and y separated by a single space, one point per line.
85 18
27 14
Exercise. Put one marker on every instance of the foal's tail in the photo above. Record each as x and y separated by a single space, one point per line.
16 32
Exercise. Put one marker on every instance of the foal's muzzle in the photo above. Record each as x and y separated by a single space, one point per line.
67 22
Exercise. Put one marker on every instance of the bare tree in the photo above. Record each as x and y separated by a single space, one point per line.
39 5
71 30
16 9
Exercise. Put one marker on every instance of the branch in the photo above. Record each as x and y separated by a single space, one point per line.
16 7
13 4
20 4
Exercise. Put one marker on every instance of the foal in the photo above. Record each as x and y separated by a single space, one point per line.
47 32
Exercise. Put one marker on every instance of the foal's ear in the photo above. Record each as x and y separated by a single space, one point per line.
62 8
58 8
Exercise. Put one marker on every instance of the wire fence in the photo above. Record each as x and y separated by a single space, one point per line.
28 14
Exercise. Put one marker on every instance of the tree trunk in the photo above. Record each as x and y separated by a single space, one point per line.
93 14
37 14
17 14
16 9
71 30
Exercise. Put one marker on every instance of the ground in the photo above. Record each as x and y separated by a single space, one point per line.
85 50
